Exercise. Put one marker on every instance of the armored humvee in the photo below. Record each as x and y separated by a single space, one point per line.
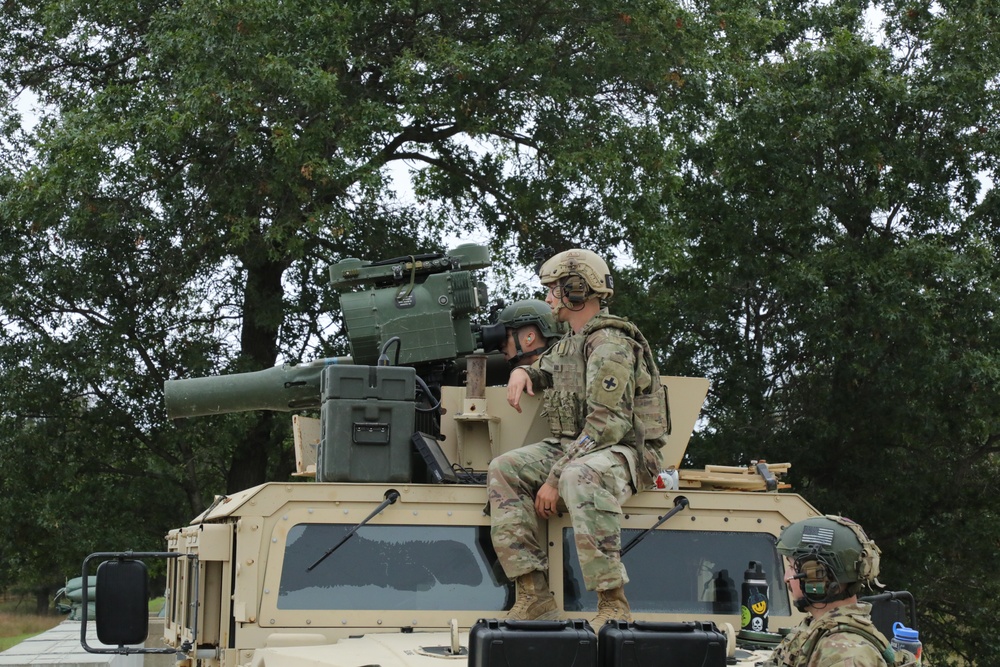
380 552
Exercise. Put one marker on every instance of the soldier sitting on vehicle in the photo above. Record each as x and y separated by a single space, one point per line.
604 404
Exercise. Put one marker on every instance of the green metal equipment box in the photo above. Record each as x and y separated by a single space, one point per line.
367 420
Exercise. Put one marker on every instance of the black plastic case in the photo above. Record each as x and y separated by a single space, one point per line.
494 643
648 644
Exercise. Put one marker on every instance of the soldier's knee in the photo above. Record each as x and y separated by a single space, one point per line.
501 467
577 474
573 475
500 461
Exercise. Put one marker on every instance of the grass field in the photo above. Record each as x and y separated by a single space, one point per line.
16 626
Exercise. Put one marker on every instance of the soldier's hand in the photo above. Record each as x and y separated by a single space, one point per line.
546 500
517 384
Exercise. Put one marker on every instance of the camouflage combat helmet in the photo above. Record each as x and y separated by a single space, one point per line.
581 275
531 311
832 556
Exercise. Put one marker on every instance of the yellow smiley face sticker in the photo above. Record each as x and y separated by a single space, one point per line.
759 607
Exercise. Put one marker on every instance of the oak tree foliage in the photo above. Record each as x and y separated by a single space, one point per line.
837 278
797 196
191 169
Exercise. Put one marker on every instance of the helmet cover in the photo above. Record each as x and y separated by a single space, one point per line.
836 543
580 274
531 311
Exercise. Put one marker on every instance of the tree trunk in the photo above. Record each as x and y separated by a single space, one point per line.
263 309
249 464
43 597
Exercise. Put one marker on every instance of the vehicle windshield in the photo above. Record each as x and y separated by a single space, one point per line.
385 567
684 571
391 567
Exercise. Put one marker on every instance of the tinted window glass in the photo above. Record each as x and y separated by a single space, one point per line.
683 571
391 567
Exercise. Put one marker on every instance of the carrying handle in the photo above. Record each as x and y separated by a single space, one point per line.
667 626
537 625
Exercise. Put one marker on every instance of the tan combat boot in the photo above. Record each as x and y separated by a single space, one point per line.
534 600
611 606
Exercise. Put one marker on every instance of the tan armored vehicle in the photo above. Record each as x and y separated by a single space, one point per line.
380 554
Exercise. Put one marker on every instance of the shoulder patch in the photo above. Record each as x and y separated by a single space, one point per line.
609 383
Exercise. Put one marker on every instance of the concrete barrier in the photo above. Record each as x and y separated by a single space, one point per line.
61 646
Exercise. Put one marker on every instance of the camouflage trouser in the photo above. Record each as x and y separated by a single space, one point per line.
592 489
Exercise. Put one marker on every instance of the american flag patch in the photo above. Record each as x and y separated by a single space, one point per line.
817 535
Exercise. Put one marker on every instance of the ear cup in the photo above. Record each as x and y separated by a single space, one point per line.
816 577
575 288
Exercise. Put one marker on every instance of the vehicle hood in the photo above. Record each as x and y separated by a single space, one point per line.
416 649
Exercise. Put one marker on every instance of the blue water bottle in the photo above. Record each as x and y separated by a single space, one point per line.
906 638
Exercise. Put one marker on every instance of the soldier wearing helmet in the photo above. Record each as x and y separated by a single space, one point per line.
607 415
575 277
531 329
828 559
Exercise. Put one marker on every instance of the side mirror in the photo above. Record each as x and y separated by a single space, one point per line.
122 602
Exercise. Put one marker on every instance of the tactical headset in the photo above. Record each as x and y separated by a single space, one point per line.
574 288
576 276
819 580
823 574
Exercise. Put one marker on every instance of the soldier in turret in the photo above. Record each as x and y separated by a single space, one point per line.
827 561
606 411
531 329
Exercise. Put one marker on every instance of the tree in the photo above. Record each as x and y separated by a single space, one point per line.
838 280
195 165
808 206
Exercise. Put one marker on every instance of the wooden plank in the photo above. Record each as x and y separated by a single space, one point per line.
735 478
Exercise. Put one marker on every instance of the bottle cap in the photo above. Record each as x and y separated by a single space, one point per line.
900 631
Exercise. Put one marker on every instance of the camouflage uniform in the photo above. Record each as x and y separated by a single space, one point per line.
842 637
592 380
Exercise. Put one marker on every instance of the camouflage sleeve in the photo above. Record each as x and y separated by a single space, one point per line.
610 388
610 394
540 374
845 649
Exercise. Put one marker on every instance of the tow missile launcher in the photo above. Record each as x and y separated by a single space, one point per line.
380 553
420 306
